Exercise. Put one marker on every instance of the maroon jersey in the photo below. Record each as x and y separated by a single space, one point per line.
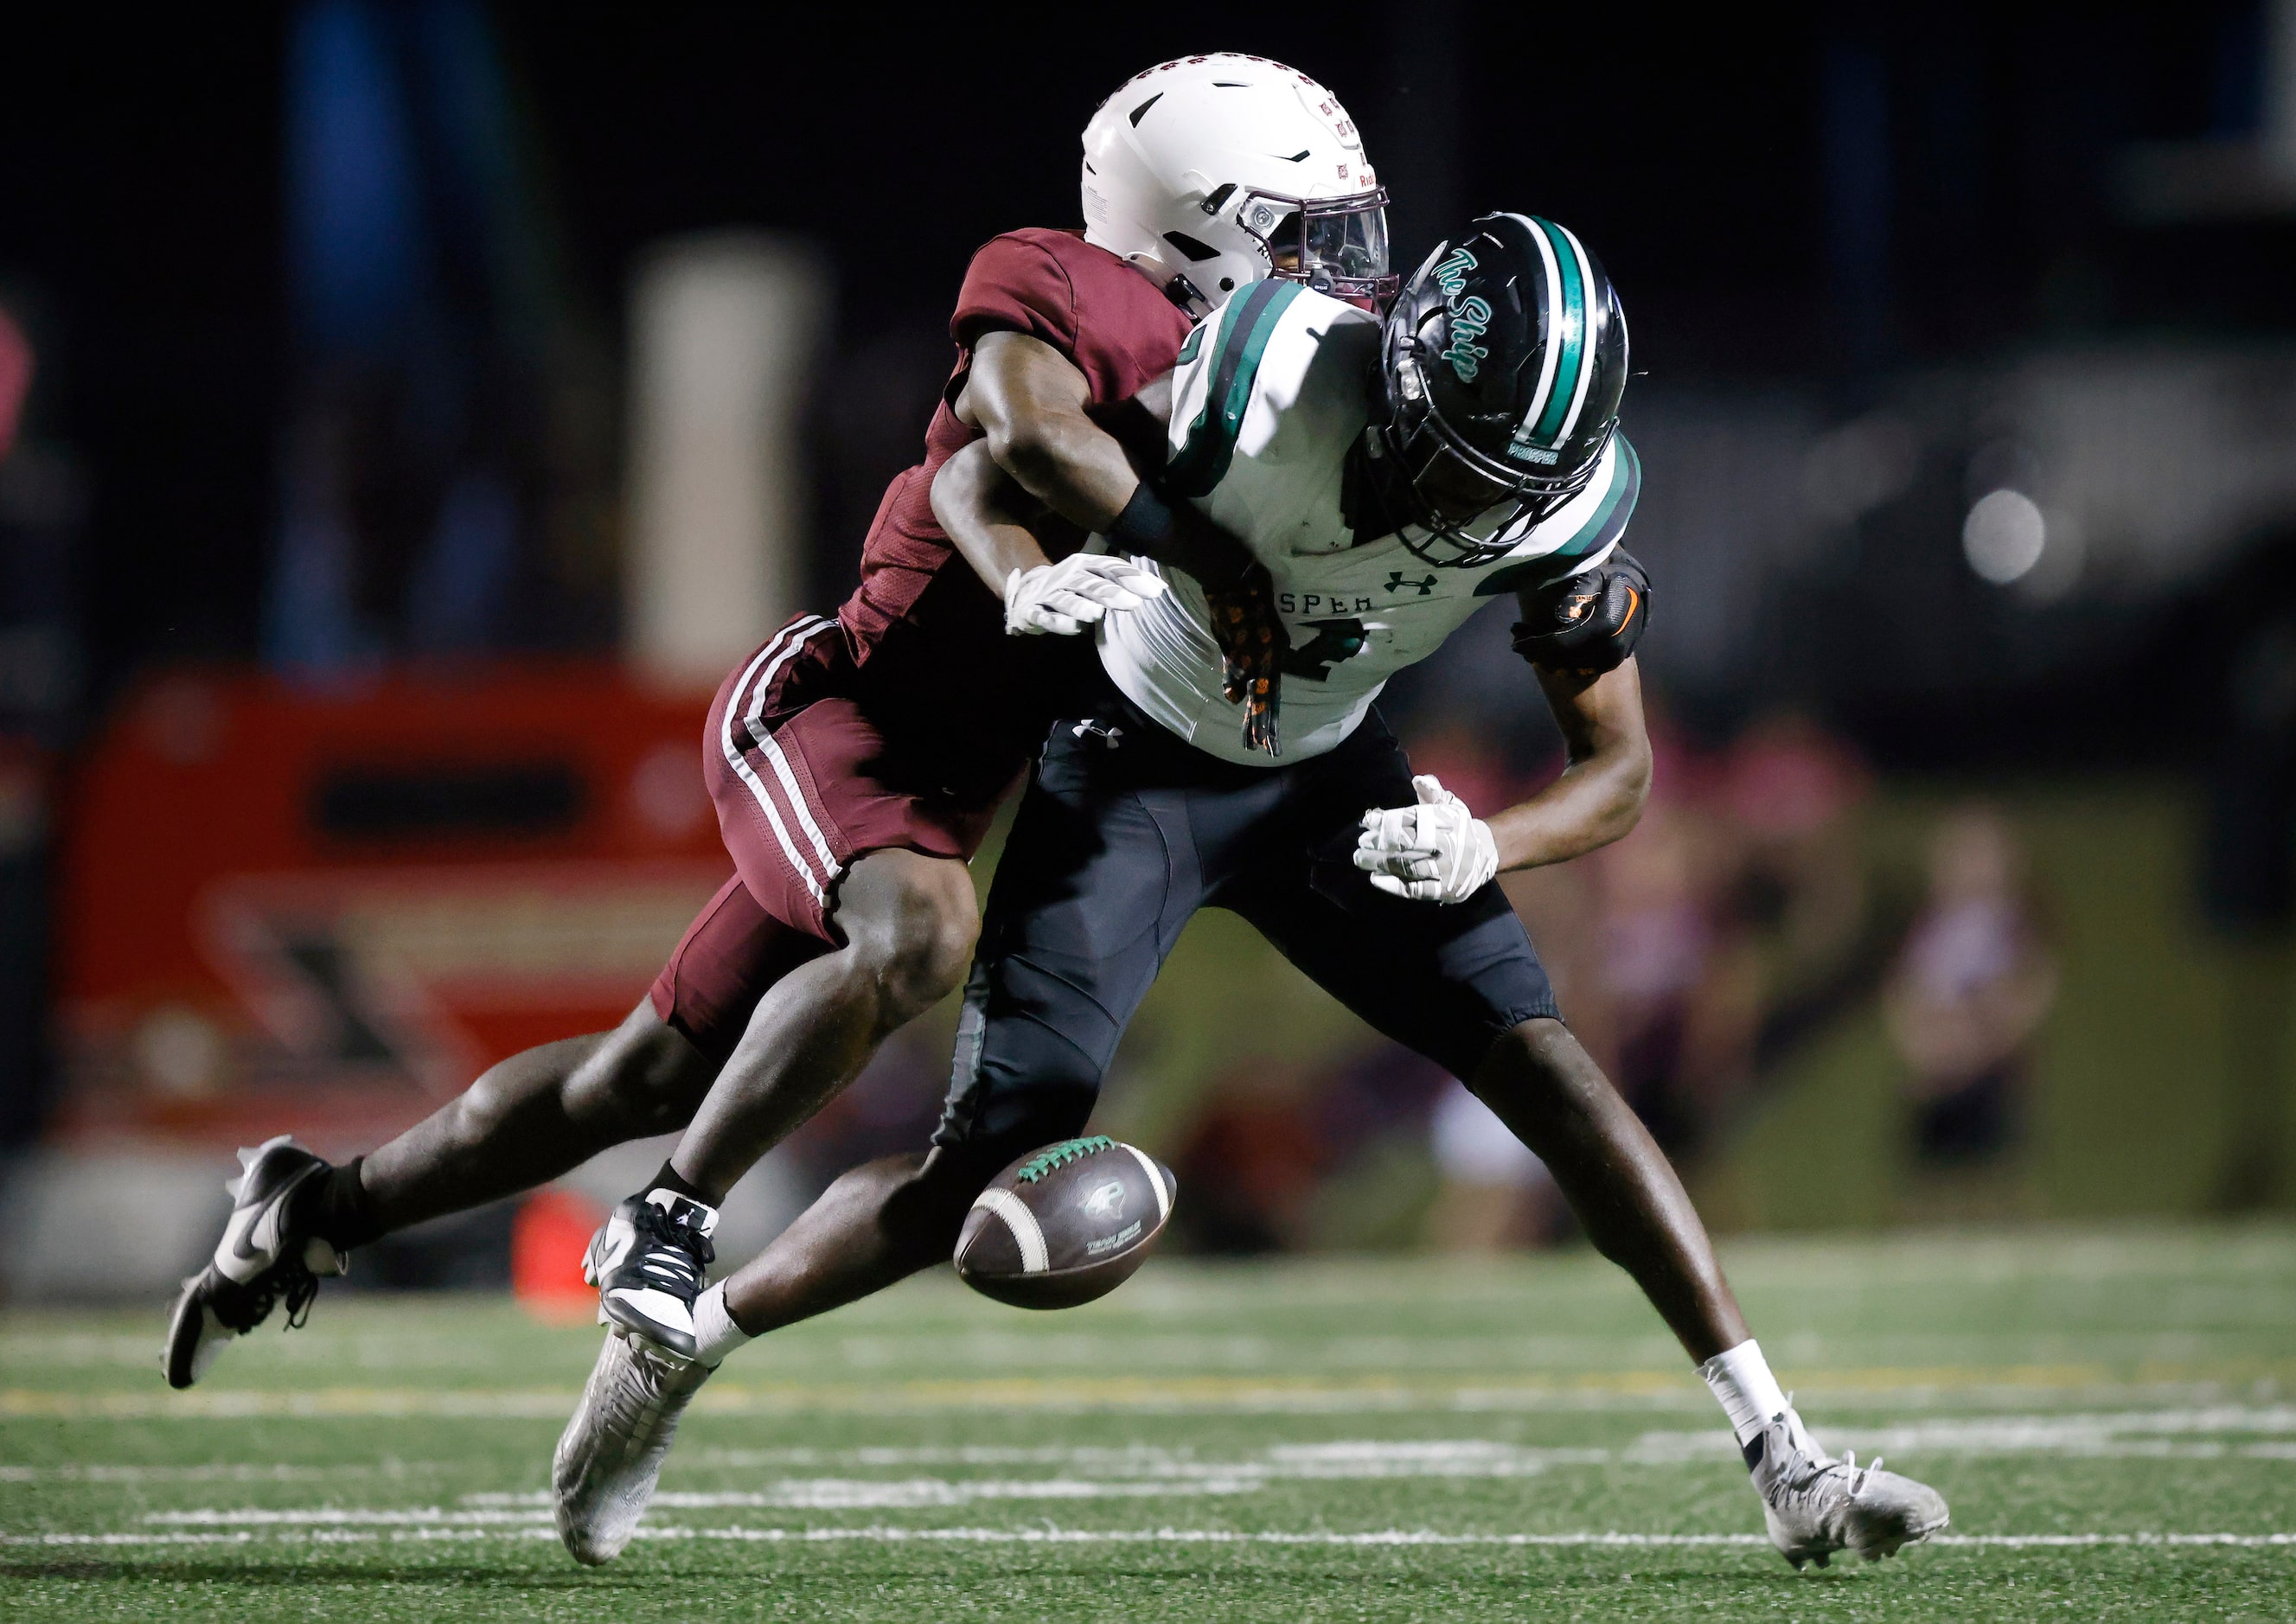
903 722
926 638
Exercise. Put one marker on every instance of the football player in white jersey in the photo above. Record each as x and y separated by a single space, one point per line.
1387 480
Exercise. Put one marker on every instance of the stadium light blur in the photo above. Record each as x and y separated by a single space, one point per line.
2003 536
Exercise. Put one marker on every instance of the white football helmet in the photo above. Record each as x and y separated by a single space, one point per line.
1211 172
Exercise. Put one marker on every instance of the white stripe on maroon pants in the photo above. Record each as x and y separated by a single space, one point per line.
734 758
772 749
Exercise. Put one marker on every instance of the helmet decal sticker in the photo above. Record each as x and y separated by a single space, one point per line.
1451 276
1471 317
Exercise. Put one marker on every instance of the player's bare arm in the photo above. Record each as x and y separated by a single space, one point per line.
1578 634
988 515
1437 850
1606 775
1026 398
986 512
1029 399
992 518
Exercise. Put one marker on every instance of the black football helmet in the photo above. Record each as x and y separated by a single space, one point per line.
1501 369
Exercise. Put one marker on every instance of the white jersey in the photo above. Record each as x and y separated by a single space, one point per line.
1271 393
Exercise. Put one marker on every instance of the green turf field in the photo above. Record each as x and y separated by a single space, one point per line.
2112 1412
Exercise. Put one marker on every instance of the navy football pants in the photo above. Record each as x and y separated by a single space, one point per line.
1125 832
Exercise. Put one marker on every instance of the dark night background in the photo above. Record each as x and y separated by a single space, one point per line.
1814 194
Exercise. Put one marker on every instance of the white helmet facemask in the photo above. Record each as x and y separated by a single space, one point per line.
1211 172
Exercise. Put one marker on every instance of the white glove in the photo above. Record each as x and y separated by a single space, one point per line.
1437 851
1066 597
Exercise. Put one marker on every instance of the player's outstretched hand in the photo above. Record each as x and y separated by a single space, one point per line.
1437 851
1066 597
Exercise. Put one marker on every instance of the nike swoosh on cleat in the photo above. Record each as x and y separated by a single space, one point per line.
237 1246
618 1248
252 1237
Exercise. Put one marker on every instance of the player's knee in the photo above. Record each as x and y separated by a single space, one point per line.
927 1207
1537 1071
646 1078
917 939
523 1083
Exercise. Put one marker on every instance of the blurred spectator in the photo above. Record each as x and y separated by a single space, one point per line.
1790 790
1250 1164
1676 996
1493 1194
39 500
1969 991
15 380
2248 868
1819 937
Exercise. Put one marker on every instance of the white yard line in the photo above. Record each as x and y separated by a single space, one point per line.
217 1472
1041 1535
1089 1471
126 1538
335 1517
1625 1392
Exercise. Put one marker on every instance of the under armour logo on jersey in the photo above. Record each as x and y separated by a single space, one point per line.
1396 583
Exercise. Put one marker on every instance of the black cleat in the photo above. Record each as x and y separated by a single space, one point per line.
648 1261
262 1260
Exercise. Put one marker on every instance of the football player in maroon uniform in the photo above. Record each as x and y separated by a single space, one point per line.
855 760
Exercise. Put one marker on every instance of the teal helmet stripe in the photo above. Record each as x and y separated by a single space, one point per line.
1601 528
1551 266
1566 331
1204 457
1588 345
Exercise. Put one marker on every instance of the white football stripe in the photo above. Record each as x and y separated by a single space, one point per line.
1030 1239
1247 1392
1155 1181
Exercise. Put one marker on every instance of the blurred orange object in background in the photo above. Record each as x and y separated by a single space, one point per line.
546 1242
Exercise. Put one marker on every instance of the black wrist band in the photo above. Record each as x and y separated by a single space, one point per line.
1144 525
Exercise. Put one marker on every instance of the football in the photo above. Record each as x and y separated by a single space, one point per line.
1066 1224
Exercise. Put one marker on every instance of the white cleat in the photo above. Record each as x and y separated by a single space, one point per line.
610 1457
262 1260
650 1260
1816 1505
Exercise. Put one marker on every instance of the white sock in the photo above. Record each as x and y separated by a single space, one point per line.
1748 1394
715 1334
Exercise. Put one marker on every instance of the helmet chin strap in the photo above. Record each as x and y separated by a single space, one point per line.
1188 297
1372 490
1378 497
